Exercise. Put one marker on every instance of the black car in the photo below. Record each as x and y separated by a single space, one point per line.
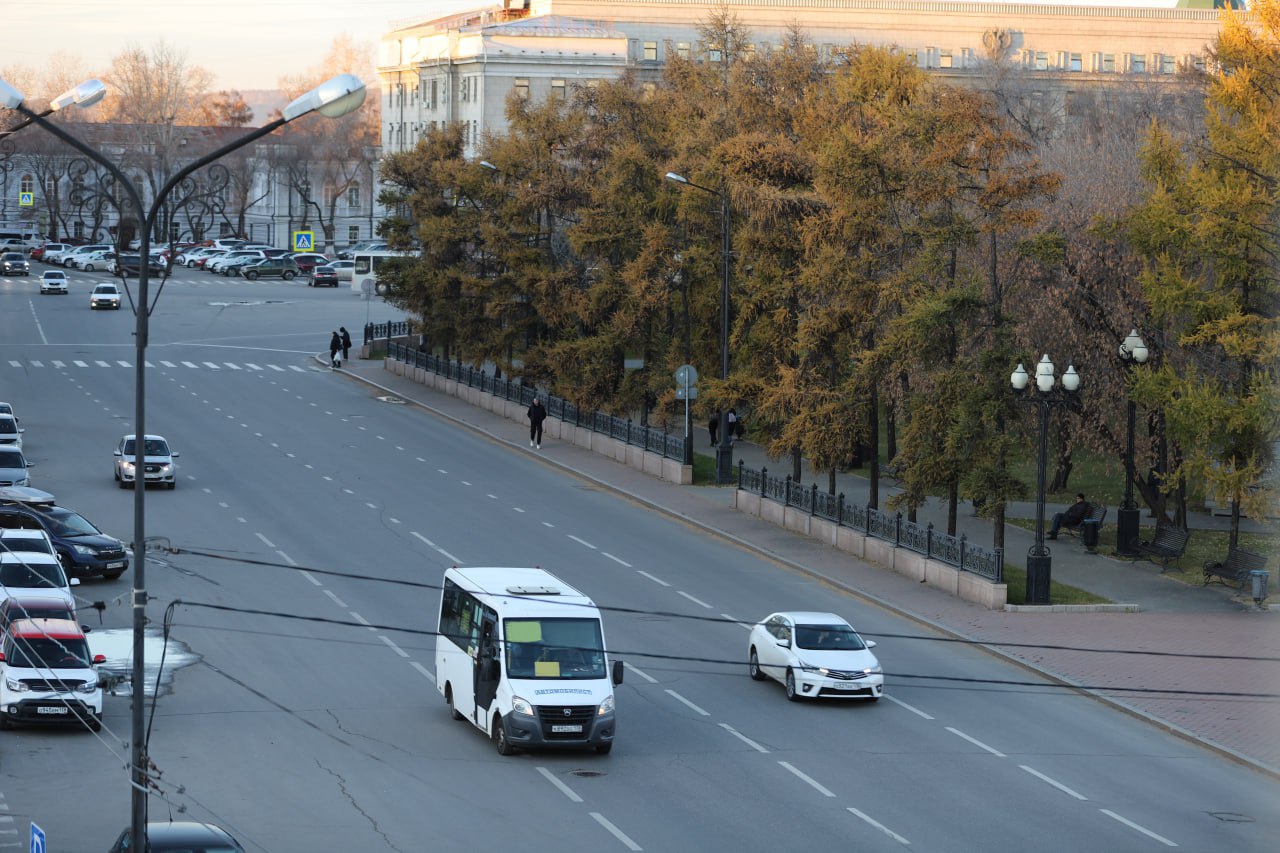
284 268
14 263
184 836
323 276
128 264
85 551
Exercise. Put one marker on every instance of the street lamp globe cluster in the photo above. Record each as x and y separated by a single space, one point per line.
1043 397
333 98
1132 351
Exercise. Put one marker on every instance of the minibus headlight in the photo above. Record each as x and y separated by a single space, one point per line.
606 707
521 706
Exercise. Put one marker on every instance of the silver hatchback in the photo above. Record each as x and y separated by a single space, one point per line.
157 462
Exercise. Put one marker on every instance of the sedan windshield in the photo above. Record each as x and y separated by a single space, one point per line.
554 648
48 653
828 637
152 447
32 576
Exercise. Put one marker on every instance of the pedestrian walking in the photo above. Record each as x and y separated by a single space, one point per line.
335 346
713 427
537 414
731 427
346 343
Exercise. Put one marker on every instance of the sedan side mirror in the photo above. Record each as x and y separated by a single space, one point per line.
75 581
617 672
175 454
871 644
118 453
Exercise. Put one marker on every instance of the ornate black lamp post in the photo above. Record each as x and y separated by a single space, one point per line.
1043 398
1132 351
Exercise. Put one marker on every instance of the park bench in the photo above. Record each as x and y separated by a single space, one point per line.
1166 546
1090 527
1236 567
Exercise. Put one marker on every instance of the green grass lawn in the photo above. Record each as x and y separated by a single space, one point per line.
1059 593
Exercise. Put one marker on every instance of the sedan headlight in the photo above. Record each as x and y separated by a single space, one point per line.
84 550
804 667
126 465
606 707
15 685
521 706
87 687
875 670
166 467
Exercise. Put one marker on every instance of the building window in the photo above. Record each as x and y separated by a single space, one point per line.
353 234
465 94
1042 61
1074 62
558 89
522 88
1108 63
431 103
1168 64
353 194
651 51
714 54
1138 63
77 230
944 59
682 49
27 184
912 55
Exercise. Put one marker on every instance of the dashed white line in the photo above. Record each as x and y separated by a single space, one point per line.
915 711
653 578
102 363
232 366
615 832
465 482
422 669
617 560
547 524
676 696
274 367
335 599
997 753
493 497
646 676
435 546
123 363
1061 787
224 504
517 509
306 574
393 520
817 786
191 364
210 365
265 540
880 826
564 789
58 364
1166 842
737 620
78 363
582 542
691 598
286 558
363 621
740 736
370 506
393 646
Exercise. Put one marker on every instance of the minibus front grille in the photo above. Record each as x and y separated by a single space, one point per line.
552 717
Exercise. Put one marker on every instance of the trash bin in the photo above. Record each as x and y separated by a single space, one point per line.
1258 579
1089 533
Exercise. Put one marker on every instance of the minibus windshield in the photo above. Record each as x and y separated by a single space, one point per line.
554 648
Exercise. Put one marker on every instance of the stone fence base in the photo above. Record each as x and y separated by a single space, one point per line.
619 451
939 575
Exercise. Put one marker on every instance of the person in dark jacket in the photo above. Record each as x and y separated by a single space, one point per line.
335 346
537 414
346 343
713 427
1075 514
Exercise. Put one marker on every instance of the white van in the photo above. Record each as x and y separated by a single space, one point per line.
20 240
521 654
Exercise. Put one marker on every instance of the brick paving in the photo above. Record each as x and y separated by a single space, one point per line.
1194 621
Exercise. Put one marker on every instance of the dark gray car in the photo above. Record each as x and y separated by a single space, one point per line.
285 268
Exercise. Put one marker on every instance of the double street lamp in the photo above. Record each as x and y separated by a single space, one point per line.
724 447
1043 398
333 98
1132 351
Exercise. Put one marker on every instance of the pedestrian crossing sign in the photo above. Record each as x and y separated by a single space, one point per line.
26 199
304 241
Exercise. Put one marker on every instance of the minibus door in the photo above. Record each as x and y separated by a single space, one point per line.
488 664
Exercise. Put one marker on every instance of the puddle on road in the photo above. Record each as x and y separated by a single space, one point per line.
117 645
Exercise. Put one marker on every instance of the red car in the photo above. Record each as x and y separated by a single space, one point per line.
308 261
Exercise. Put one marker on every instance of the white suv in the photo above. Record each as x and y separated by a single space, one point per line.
33 572
80 251
47 675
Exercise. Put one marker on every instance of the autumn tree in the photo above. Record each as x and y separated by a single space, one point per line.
224 109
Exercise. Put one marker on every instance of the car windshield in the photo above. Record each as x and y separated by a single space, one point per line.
7 426
25 543
48 652
13 256
67 523
105 289
32 575
38 611
52 275
151 447
12 459
828 637
554 648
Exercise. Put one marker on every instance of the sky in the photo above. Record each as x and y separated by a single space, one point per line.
245 44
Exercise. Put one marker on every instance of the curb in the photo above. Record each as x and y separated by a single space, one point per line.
883 604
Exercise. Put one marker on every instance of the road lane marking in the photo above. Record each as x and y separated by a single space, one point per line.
618 560
265 540
679 698
232 366
286 558
1061 787
306 574
691 598
274 367
393 646
880 826
251 366
363 621
646 676
916 711
210 365
653 578
35 363
422 669
101 363
191 364
817 786
615 832
547 524
335 599
59 364
517 509
734 619
123 363
491 497
296 369
740 736
997 753
1166 842
582 542
564 789
435 546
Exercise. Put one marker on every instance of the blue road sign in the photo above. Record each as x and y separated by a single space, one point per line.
37 839
27 199
303 241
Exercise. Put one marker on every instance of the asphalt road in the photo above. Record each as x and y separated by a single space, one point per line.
326 732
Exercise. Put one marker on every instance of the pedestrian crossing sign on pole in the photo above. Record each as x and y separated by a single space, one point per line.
27 199
304 241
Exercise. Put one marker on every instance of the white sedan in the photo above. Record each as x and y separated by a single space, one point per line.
53 281
815 655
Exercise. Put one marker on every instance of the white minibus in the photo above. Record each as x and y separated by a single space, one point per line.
521 654
364 273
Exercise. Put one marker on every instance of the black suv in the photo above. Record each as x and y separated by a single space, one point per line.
14 263
285 268
85 551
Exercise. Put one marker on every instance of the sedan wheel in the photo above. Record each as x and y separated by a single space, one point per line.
88 267
754 668
251 275
792 693
287 276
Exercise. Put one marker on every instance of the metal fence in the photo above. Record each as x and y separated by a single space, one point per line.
638 435
376 331
922 538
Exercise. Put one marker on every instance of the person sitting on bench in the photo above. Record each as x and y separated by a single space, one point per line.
1075 514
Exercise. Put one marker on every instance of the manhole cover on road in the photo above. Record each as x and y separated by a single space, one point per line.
585 774
394 400
1231 817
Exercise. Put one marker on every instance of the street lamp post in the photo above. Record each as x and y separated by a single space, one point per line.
1044 398
334 98
1132 351
724 447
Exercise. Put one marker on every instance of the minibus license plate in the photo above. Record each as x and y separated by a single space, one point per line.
565 729
52 709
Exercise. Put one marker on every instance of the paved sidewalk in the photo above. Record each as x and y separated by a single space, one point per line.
1227 698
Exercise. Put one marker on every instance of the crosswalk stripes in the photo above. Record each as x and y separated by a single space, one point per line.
223 367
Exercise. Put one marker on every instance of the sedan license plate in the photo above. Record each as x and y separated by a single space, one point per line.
846 685
52 709
565 729
115 565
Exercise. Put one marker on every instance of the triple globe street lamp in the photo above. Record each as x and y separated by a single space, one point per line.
333 99
1132 351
